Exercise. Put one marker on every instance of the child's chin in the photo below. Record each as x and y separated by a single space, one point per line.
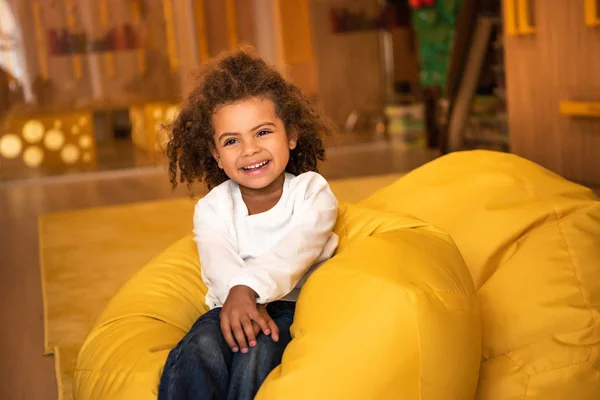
256 183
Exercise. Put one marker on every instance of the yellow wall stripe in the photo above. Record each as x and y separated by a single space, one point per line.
170 31
231 24
41 41
76 59
140 53
109 59
201 32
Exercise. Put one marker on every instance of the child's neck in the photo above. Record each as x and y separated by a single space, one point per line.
261 200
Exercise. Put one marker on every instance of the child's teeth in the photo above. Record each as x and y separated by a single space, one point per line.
256 165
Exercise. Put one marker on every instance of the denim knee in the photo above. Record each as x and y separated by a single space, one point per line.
263 357
198 365
205 344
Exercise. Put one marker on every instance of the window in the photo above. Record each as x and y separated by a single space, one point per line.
12 55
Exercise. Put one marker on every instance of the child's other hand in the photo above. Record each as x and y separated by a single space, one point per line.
262 310
239 312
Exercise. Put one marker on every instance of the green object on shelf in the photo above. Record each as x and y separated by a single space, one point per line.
435 27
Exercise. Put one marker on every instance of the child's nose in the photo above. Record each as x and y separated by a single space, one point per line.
251 147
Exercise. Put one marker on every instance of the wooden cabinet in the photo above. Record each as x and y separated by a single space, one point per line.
553 84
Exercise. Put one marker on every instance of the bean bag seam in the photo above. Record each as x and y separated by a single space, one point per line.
533 229
420 347
530 374
587 361
112 373
385 226
85 371
588 358
511 359
527 386
98 330
119 318
574 267
535 226
133 315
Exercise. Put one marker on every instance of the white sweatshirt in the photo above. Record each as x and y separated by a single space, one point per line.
273 252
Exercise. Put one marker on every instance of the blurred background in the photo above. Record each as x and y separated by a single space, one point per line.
85 85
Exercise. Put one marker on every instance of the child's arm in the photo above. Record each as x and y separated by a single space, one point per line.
278 271
220 261
218 253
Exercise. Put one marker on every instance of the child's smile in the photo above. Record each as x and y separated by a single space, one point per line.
251 143
256 168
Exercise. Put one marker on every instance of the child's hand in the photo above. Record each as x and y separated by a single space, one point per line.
262 310
238 314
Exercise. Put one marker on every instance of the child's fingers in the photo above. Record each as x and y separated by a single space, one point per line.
248 330
238 333
226 329
274 330
256 328
262 321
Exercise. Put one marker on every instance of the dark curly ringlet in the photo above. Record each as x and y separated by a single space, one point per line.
232 77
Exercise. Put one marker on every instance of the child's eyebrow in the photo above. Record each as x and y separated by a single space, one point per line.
261 125
225 134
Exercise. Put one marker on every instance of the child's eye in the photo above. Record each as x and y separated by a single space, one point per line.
229 142
262 133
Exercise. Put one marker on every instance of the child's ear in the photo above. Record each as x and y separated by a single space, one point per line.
293 140
216 156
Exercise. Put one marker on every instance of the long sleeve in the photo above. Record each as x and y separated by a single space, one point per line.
275 273
219 257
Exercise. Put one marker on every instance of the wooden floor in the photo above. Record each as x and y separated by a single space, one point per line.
24 373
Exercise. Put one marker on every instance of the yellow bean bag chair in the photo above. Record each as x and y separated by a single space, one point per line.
400 320
531 241
392 315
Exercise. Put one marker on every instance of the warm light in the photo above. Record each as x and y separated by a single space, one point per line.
87 157
33 131
157 113
54 139
85 142
171 113
83 121
75 129
10 146
70 154
58 124
136 117
33 156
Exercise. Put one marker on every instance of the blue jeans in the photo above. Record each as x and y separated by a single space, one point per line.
203 367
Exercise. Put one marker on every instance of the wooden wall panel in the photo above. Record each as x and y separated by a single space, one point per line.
577 78
246 24
298 56
216 26
349 67
560 62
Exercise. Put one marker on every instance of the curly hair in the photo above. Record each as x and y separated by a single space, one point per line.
229 78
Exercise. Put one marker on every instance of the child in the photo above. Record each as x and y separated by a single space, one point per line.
265 225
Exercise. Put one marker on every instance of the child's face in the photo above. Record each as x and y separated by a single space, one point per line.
251 144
